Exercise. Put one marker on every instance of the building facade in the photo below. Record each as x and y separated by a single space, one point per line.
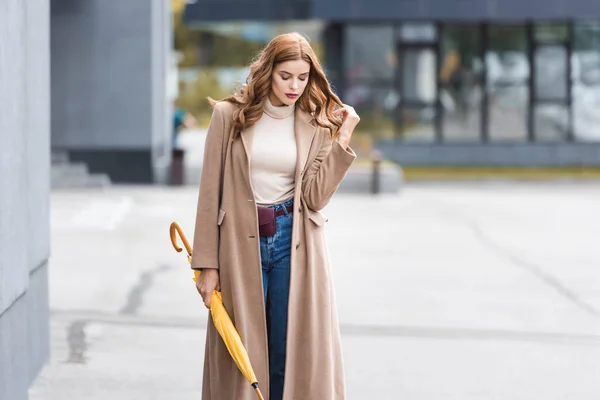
459 82
87 78
111 104
24 193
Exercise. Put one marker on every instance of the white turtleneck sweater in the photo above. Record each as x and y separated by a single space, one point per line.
273 165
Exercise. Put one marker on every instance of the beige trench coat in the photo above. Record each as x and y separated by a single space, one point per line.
226 237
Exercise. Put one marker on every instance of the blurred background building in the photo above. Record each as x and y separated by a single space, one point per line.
111 99
436 82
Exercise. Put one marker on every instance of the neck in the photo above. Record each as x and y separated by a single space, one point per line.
280 112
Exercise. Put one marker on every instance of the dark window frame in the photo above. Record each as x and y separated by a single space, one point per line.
531 44
410 104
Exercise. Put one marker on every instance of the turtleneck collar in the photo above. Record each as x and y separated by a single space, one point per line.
278 112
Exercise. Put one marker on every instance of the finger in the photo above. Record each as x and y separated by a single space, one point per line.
207 298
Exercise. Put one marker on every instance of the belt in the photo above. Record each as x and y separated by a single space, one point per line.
289 209
279 212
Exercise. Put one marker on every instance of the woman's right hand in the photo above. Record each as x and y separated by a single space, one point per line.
207 282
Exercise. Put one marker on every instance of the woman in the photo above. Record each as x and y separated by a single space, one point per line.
275 154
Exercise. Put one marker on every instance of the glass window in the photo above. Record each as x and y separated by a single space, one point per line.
376 107
551 122
369 52
461 82
417 124
551 72
550 32
418 75
586 81
507 82
417 32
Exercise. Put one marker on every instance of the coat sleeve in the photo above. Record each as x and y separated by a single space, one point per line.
205 252
326 173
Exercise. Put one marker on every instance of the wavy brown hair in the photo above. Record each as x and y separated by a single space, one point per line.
317 99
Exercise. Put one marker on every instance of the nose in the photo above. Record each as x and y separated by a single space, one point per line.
294 84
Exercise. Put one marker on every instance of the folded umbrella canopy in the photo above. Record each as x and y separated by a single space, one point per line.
221 319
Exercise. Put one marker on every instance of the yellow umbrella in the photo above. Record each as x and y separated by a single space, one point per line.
221 319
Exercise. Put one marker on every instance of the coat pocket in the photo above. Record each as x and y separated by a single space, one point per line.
316 217
220 217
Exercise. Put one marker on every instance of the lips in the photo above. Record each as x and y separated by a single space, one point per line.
291 95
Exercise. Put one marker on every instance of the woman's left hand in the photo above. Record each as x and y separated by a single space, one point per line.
349 121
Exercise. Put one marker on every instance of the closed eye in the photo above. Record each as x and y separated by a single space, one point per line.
302 78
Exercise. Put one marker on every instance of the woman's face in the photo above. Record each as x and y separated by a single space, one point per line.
288 82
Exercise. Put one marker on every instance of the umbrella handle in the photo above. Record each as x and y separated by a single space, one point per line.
173 230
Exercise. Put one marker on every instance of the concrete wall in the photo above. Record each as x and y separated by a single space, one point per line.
24 193
109 104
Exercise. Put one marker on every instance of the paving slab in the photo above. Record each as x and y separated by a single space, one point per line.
445 291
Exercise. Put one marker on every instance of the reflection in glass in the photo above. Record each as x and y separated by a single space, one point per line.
370 52
461 82
551 73
507 83
586 81
418 75
551 122
376 107
417 124
418 32
547 32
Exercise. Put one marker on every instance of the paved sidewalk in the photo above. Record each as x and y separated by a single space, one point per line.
445 292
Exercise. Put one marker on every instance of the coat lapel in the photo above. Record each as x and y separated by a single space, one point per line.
247 136
304 129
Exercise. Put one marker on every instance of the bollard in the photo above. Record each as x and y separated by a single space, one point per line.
376 172
177 173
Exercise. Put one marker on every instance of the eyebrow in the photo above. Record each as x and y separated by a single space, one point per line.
289 73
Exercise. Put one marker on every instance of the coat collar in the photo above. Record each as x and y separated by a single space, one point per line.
305 128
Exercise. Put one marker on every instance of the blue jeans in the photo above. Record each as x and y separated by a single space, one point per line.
275 253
